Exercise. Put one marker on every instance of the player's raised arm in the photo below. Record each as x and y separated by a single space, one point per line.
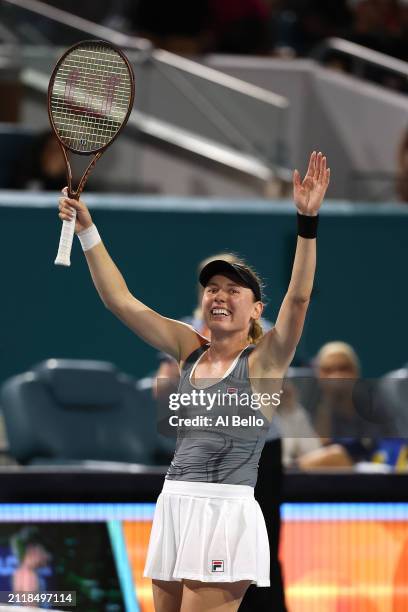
277 348
173 337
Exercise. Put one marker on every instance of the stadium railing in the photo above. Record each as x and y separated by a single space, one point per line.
180 104
361 61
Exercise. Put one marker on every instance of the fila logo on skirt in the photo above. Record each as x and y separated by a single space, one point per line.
217 566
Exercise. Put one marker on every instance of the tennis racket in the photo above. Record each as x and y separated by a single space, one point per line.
90 97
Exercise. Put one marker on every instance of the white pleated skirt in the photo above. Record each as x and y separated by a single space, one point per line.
209 532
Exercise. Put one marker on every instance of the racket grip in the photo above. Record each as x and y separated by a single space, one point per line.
65 244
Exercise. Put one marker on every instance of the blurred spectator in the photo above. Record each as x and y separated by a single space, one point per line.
347 438
180 26
319 19
404 25
283 28
402 180
338 364
298 435
379 25
43 167
240 26
368 28
191 28
280 27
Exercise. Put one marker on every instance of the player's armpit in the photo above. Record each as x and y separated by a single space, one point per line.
277 348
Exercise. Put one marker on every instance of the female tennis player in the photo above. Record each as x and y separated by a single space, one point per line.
208 541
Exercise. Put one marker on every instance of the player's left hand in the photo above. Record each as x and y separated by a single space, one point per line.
309 193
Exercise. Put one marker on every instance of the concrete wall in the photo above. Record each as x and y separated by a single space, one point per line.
359 125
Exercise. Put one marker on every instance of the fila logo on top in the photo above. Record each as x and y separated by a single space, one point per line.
217 565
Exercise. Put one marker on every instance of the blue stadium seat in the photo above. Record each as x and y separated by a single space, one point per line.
393 389
166 445
68 411
14 142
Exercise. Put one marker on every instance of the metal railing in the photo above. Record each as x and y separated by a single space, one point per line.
179 102
360 58
74 22
184 143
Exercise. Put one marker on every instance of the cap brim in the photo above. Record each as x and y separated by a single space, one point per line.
218 266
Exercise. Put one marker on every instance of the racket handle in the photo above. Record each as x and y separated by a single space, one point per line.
65 244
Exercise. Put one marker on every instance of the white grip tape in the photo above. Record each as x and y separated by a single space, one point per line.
65 244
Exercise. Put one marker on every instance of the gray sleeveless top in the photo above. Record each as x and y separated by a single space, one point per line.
226 447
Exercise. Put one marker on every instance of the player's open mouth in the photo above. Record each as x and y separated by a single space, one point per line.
223 312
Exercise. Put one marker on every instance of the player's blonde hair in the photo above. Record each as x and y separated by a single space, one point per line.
255 332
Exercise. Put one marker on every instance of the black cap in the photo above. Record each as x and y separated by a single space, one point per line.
244 274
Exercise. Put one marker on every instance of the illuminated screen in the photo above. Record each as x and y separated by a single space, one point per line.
337 557
61 557
345 557
77 547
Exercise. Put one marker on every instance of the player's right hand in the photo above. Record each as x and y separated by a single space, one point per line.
83 218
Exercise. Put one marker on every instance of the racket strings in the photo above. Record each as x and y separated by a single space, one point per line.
90 97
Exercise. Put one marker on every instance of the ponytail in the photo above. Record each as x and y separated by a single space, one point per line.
255 332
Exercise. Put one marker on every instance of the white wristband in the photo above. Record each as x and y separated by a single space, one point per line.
89 237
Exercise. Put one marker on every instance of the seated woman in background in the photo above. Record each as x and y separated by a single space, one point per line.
298 435
347 438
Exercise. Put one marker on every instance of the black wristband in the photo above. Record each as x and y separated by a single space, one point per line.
307 226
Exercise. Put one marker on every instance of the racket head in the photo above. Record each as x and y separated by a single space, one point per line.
90 96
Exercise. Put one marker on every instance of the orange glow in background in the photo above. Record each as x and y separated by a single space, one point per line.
352 561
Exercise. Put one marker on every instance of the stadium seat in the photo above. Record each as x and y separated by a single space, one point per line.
69 411
393 388
166 444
